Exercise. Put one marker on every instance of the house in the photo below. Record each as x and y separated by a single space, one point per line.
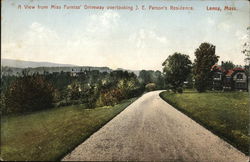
218 76
238 78
232 79
75 72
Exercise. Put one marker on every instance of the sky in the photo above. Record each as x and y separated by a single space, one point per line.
137 39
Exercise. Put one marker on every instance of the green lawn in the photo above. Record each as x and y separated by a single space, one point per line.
51 134
226 114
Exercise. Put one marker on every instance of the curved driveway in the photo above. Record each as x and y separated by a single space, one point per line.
151 129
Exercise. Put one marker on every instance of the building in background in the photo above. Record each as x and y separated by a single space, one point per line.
232 79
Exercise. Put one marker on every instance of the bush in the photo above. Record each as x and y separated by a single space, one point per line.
135 92
90 95
110 97
74 91
150 87
179 90
28 93
2 105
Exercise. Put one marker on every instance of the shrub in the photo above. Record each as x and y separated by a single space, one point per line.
74 91
135 92
150 87
90 95
110 97
28 93
179 90
2 105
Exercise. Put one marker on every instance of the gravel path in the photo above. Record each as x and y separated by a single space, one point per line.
151 129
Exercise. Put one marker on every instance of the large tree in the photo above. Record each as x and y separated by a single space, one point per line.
205 59
177 67
146 76
246 52
246 48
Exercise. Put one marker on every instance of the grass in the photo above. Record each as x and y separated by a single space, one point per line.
51 134
226 114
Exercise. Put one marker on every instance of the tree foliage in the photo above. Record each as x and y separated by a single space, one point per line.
150 76
145 76
246 48
246 52
227 65
177 68
28 93
120 85
205 59
150 87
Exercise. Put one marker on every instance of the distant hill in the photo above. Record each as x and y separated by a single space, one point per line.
15 67
29 64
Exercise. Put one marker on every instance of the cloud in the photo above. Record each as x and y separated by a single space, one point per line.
210 21
103 22
243 37
105 38
147 38
41 33
97 32
224 26
84 46
94 44
36 43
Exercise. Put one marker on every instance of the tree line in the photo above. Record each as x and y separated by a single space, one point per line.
33 91
36 91
178 69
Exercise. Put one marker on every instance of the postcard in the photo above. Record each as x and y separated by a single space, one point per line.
125 80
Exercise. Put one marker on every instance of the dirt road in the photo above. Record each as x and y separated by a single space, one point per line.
151 129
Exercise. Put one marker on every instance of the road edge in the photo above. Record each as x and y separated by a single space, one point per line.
209 128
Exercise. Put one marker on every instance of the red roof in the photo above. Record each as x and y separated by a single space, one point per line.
217 67
228 72
238 69
231 71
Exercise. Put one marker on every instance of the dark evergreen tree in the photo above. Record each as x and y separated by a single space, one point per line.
205 59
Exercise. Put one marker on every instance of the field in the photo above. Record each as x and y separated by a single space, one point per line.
226 114
51 134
